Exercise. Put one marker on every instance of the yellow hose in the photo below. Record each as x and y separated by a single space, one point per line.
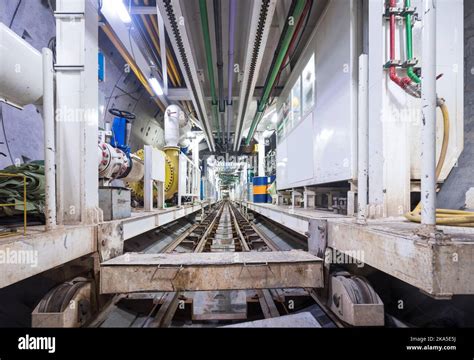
444 216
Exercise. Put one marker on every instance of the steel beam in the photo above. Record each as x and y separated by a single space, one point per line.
143 10
179 94
77 109
210 271
22 257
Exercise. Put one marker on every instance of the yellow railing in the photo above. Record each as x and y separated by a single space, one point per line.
24 203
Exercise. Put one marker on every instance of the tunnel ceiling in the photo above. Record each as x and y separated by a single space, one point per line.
146 31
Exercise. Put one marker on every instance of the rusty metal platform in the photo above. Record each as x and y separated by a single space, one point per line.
24 256
210 271
441 267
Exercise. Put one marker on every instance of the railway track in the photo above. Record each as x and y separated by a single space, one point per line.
223 229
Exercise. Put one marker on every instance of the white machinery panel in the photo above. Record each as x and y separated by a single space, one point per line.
300 152
320 146
183 169
395 117
158 165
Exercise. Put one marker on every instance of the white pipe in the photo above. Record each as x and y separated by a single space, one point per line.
363 138
428 126
177 126
172 119
49 139
261 156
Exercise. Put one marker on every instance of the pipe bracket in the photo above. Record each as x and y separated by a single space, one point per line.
393 63
399 11
410 63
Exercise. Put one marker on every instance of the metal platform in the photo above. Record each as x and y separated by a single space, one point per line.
24 256
440 267
210 271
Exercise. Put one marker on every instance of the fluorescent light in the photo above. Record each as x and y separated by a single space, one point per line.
275 118
122 12
155 85
119 8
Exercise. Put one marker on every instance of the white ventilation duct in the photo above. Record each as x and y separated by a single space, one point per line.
21 70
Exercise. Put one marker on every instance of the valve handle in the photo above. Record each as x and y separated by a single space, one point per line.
122 114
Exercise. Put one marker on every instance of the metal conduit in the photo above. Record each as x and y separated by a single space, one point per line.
220 63
285 41
230 65
210 68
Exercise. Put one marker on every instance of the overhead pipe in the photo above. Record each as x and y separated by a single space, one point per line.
220 63
293 44
210 67
280 41
230 65
285 44
219 53
428 126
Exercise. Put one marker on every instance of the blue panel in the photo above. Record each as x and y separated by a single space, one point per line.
260 180
260 198
202 189
101 67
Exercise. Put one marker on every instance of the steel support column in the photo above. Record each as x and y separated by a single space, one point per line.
428 126
77 96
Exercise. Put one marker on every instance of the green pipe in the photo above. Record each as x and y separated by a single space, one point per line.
215 115
409 34
300 4
210 68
